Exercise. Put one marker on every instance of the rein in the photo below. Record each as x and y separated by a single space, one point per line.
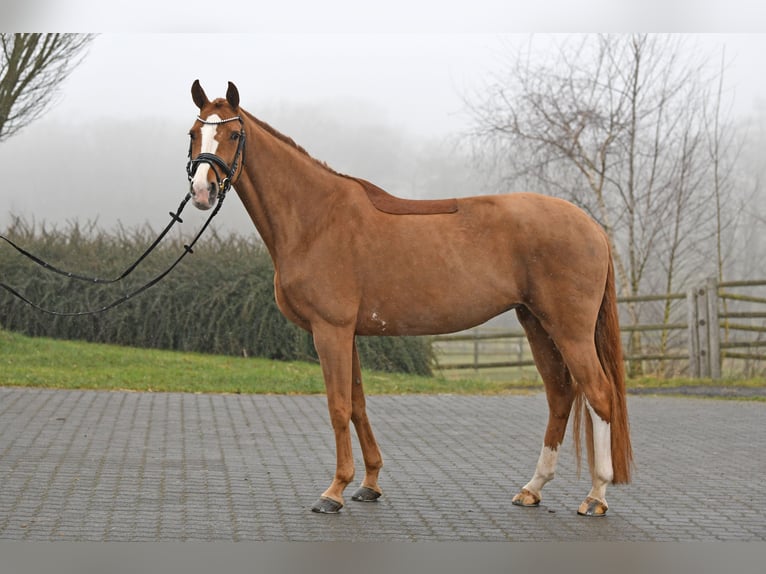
187 249
175 218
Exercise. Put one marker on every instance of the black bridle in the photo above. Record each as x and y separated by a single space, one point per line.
227 172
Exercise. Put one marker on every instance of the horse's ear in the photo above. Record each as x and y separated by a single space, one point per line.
198 95
232 96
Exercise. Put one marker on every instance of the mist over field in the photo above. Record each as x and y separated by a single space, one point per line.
133 172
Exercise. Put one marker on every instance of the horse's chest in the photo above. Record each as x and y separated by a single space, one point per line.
306 299
289 304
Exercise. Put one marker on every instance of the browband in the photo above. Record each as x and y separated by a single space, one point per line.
209 123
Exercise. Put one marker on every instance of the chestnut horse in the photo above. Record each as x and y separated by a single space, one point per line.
350 260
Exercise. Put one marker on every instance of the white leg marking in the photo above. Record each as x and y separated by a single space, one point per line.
545 470
602 452
208 145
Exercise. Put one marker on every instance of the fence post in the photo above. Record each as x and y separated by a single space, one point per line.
703 320
476 351
694 338
704 330
714 329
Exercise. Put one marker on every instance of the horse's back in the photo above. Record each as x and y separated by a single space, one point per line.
528 224
532 210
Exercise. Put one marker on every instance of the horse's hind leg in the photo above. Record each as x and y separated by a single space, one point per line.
583 362
369 490
560 395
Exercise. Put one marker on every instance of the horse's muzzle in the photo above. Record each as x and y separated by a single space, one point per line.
205 197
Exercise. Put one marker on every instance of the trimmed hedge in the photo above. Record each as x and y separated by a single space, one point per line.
220 299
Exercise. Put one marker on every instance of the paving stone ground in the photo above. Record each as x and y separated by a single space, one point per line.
124 466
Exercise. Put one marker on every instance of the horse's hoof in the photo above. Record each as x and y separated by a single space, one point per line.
365 494
327 505
526 498
592 507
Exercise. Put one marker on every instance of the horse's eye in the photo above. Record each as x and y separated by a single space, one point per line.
192 136
235 136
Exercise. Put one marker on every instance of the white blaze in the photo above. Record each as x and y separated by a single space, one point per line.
208 145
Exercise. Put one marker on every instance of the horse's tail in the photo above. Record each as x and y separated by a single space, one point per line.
609 350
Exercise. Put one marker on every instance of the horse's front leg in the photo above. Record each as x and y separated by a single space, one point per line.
369 490
335 348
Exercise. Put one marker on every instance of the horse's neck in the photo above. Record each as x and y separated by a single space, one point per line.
284 190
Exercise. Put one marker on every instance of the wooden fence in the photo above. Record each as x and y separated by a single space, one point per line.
718 330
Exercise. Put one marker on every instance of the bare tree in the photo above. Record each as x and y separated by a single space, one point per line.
618 125
32 67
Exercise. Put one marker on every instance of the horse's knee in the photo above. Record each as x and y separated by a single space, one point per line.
340 415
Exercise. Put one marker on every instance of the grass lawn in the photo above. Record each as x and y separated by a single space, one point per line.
39 362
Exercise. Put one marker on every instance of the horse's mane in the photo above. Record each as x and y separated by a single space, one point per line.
381 199
289 141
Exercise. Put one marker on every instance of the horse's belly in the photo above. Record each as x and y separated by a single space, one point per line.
429 313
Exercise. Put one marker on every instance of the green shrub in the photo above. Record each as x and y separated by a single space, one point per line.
220 299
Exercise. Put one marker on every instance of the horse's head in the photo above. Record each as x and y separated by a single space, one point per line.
217 146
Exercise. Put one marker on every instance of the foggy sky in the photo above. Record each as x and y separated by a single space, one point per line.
126 110
411 80
417 82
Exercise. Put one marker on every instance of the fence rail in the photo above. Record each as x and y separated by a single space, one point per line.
712 339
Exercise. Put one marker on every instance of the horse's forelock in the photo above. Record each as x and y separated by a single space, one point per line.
220 103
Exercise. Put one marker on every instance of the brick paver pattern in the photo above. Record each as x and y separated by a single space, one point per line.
124 466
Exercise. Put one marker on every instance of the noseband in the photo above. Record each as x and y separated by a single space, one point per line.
226 173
